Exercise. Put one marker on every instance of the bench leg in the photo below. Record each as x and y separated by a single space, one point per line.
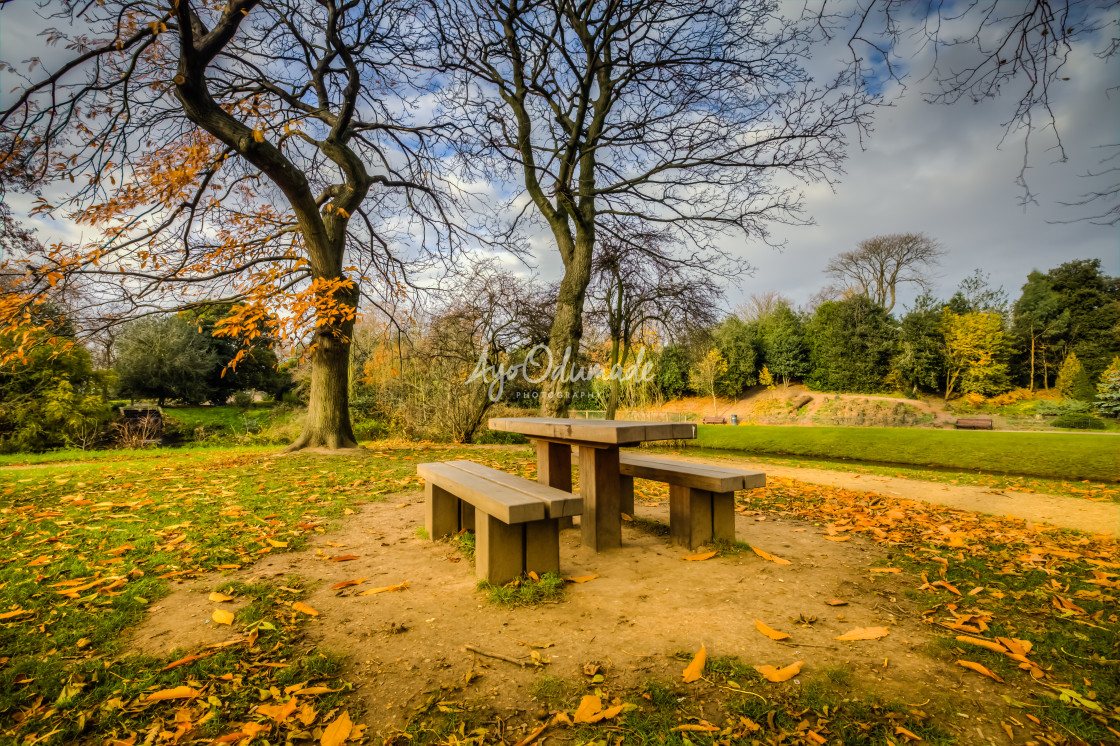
542 546
441 511
499 551
554 468
466 516
723 516
626 498
690 516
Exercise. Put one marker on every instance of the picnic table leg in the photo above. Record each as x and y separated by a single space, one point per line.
599 486
554 468
499 554
441 511
626 497
690 516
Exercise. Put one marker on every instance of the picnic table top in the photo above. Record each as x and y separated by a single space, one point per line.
605 432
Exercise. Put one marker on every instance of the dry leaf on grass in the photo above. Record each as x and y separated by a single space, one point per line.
700 557
582 578
979 642
981 669
222 617
279 713
697 728
304 609
591 710
337 732
220 597
385 589
900 731
773 634
769 557
278 544
185 661
886 569
179 692
696 668
778 675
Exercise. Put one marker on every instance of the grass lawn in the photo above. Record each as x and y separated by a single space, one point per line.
88 547
1054 455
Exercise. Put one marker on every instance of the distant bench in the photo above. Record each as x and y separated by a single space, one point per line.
715 421
974 423
701 496
516 521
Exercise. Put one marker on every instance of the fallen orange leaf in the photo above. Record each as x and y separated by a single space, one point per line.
337 732
385 589
767 556
778 675
864 633
582 578
589 707
12 614
346 584
344 558
886 569
304 609
222 617
900 731
279 713
980 669
220 597
773 634
836 602
185 661
179 692
982 643
696 668
700 557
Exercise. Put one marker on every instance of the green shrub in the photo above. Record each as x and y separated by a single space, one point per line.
1065 406
243 400
1079 421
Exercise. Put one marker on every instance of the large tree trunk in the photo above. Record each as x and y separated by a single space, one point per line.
567 326
1032 359
328 410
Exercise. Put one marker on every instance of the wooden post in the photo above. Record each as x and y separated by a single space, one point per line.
441 511
499 552
542 546
626 497
723 516
690 516
601 521
554 468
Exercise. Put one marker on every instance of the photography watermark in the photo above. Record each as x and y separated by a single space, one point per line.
540 366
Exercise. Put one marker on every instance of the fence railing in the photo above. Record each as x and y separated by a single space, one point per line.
631 414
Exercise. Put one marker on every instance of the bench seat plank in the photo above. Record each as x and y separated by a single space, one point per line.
504 503
558 503
686 474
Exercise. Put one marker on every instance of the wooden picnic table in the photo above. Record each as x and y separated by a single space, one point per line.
600 482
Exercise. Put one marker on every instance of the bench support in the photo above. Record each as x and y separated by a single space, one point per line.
441 511
699 517
498 549
626 497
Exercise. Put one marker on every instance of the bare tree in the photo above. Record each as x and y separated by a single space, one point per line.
985 48
760 305
671 113
883 263
636 285
256 152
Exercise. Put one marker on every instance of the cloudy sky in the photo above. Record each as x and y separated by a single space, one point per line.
934 169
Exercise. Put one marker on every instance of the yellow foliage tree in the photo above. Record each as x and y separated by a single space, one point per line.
976 352
707 371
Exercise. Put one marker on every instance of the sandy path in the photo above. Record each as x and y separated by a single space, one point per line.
1069 512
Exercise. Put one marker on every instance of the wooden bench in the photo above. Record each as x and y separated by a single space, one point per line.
715 421
701 496
974 423
515 521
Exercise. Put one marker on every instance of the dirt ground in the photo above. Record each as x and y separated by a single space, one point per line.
646 605
1101 518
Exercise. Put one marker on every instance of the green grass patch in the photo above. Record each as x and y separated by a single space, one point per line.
1055 455
525 591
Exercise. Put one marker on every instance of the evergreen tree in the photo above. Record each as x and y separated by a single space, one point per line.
1092 299
1039 323
1108 390
165 358
783 344
738 344
1073 381
920 359
672 371
851 343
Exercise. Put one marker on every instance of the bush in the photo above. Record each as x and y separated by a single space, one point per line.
1066 406
1011 397
1079 421
243 400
